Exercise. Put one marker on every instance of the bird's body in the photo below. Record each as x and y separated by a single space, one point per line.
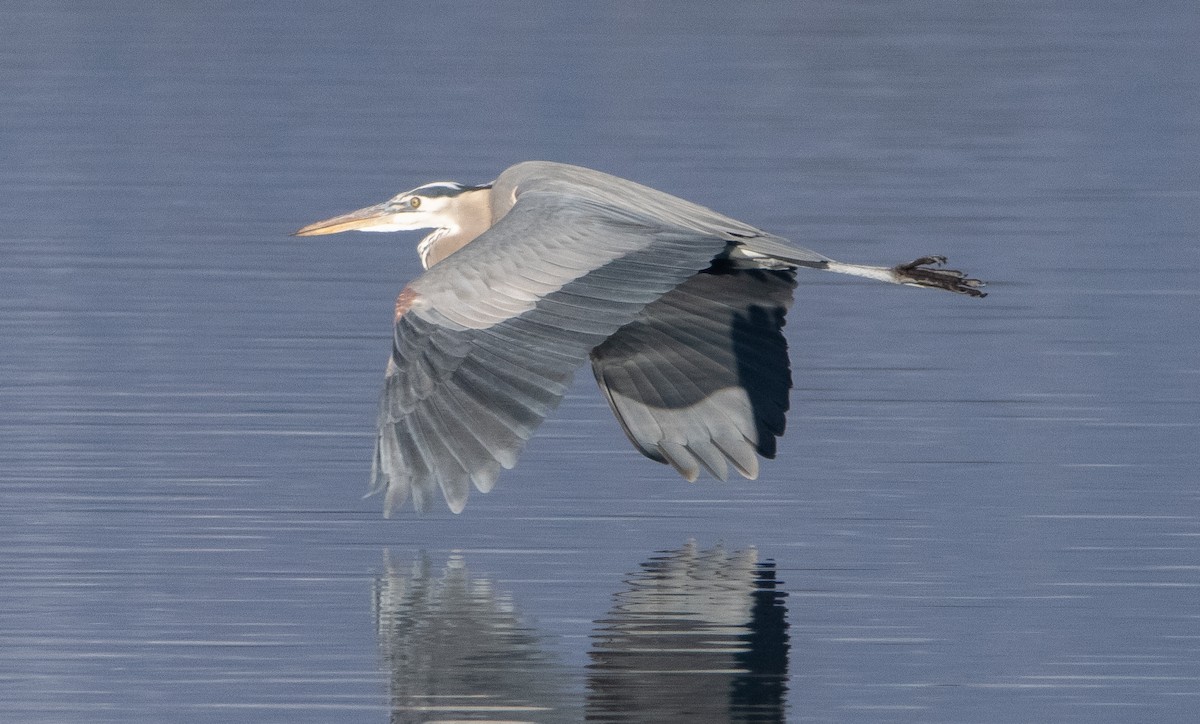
679 308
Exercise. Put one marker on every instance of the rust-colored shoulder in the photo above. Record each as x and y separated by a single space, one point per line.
405 301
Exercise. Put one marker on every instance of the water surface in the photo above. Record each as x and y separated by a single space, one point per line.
982 510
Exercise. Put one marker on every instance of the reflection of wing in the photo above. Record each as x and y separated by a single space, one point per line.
701 375
698 636
457 650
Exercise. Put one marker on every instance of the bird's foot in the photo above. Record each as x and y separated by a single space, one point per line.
927 272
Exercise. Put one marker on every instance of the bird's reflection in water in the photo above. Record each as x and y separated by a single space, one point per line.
698 635
694 636
457 650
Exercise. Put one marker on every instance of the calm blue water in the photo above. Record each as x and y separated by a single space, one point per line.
982 511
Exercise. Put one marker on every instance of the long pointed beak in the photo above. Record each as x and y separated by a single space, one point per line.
363 219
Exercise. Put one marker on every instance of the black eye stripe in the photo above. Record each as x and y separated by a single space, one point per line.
443 190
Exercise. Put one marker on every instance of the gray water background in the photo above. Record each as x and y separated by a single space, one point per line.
981 511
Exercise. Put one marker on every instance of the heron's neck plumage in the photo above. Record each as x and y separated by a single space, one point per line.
472 217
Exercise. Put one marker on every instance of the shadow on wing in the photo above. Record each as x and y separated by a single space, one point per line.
701 377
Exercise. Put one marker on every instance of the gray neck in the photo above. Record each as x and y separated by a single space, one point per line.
473 214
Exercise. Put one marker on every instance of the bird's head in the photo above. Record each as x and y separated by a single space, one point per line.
457 213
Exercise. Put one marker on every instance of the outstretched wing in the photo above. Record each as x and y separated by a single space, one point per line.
701 376
487 340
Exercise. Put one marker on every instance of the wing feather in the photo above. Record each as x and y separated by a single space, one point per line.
484 352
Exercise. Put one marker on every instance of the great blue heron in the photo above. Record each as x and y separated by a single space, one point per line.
678 307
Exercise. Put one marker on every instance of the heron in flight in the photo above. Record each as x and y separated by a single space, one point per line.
678 308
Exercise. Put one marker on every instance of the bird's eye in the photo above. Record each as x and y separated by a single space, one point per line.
414 202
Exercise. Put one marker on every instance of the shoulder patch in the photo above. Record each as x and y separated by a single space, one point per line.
404 301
